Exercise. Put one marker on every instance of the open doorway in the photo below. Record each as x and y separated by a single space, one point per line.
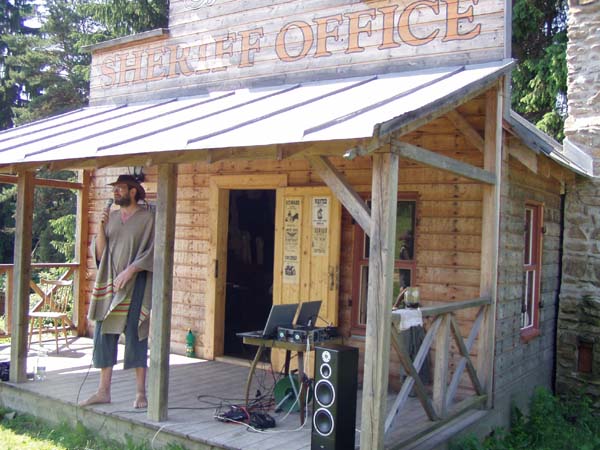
250 248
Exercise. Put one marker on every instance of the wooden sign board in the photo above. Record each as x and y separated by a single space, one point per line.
226 44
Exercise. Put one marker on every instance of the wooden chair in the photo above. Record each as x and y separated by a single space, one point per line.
53 306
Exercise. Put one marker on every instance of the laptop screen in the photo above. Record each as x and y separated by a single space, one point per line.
309 313
280 316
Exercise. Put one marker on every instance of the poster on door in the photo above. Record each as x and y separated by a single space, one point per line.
291 240
320 225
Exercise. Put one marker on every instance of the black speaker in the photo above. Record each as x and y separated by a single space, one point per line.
334 397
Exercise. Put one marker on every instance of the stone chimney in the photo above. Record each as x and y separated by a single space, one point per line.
578 338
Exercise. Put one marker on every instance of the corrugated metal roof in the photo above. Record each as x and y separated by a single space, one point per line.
313 111
567 154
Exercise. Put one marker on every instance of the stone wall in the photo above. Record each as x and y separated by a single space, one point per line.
582 127
578 341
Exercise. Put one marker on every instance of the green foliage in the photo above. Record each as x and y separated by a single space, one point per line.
117 18
28 433
54 221
539 82
45 71
8 201
64 227
13 17
553 424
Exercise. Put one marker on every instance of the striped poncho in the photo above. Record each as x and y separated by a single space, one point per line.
128 243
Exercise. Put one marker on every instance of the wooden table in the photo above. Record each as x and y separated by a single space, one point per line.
289 347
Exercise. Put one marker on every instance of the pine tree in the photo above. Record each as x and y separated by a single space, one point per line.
13 18
539 43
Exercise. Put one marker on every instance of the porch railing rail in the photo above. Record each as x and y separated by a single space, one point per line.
7 269
438 400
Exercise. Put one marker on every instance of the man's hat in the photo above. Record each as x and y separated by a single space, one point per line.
131 181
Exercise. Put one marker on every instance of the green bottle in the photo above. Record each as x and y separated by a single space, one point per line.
189 346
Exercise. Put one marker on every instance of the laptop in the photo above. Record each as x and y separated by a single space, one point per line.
280 316
309 313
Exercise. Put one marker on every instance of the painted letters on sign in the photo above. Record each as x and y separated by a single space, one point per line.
219 42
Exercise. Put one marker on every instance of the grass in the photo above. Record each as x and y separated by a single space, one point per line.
553 424
25 432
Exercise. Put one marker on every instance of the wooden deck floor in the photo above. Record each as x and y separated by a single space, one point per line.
197 388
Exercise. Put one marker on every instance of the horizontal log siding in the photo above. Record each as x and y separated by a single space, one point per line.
448 237
519 365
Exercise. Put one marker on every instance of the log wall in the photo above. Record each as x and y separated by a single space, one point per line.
522 364
448 239
448 230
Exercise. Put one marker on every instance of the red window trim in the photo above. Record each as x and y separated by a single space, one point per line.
358 262
530 332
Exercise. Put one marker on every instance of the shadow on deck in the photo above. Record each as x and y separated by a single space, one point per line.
197 390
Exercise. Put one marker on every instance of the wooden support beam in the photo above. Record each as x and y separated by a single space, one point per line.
522 153
412 120
43 182
413 379
490 232
432 159
460 367
464 351
162 292
21 277
384 198
466 129
347 196
9 301
440 370
81 253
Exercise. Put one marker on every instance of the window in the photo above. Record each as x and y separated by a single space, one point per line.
585 356
404 266
532 237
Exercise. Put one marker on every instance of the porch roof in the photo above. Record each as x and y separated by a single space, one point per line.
326 110
567 154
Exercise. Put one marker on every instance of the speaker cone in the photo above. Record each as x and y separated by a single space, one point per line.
324 393
323 422
325 370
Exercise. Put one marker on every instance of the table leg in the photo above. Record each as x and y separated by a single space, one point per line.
302 399
252 369
288 357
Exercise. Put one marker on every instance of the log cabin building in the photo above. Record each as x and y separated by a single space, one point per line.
337 150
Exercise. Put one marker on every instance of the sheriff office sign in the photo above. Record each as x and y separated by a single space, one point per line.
230 44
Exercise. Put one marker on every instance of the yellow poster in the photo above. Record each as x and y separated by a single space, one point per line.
320 225
291 240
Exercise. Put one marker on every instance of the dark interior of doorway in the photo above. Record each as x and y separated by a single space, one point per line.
250 248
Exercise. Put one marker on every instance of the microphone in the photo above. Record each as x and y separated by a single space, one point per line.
109 203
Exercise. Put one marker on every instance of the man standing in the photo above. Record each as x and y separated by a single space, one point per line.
122 296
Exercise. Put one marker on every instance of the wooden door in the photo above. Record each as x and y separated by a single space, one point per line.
307 251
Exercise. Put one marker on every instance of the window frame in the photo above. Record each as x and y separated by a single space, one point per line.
533 248
359 262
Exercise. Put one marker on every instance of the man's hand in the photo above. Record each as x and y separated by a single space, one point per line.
123 278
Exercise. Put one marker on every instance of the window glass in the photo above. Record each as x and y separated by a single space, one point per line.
404 259
405 230
364 285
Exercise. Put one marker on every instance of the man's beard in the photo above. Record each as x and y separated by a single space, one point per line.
123 201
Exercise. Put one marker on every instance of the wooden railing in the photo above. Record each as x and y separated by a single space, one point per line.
438 400
8 270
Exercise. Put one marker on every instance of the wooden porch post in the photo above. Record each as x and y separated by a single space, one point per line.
81 252
162 291
21 278
379 308
490 232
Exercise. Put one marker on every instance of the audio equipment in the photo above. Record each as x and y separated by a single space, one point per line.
109 203
334 397
302 334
